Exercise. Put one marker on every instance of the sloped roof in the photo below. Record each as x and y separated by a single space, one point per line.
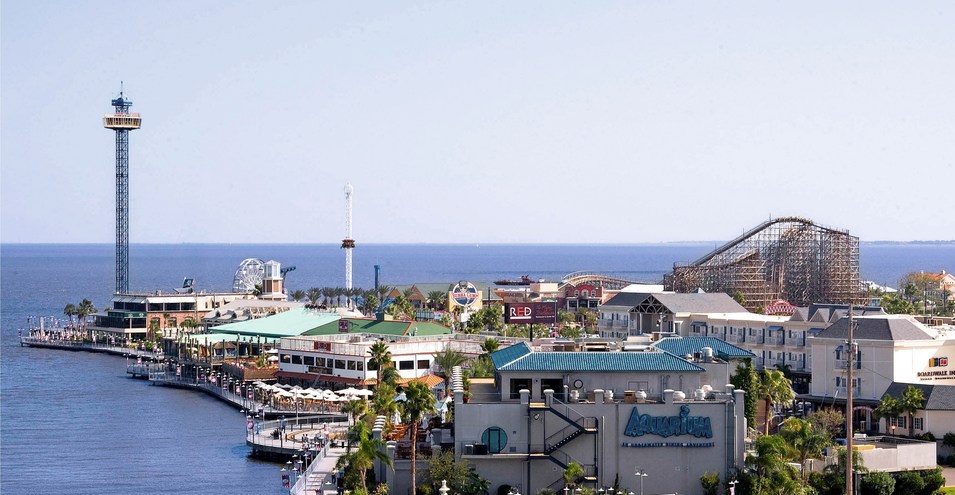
681 346
937 397
503 356
627 299
888 327
716 302
388 327
601 362
827 313
289 323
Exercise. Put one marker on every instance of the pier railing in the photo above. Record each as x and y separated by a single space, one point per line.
75 345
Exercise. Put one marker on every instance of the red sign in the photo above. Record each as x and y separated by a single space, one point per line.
527 313
344 326
324 346
781 308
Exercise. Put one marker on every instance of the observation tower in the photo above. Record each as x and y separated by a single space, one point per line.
348 243
122 122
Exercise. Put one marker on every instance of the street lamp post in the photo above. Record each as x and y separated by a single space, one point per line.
641 473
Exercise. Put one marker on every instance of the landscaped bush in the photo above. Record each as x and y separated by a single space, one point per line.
949 439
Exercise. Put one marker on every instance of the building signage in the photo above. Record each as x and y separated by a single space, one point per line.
938 362
324 346
344 326
668 426
464 294
780 308
535 312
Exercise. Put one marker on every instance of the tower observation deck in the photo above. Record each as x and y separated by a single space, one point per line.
122 122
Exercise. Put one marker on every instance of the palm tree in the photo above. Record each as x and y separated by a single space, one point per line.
572 473
774 388
437 298
85 309
805 439
383 291
383 403
70 312
368 449
420 402
327 294
447 360
912 400
369 302
313 295
490 345
390 376
380 357
298 295
356 408
773 474
338 292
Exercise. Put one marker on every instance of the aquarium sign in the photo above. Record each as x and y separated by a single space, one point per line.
669 426
938 362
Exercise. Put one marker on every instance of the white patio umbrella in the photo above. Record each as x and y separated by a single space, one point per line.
348 391
364 393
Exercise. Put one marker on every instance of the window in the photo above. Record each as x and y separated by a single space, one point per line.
296 359
352 366
339 364
406 365
319 361
308 360
917 422
424 364
361 365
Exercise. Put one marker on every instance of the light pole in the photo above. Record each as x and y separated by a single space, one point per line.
641 473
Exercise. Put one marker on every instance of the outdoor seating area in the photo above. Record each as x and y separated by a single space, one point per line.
296 398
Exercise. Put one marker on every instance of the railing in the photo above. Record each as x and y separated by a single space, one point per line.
776 340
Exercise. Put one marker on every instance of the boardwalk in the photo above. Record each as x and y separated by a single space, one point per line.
71 345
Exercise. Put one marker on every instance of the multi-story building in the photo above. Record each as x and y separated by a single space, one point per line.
134 315
644 420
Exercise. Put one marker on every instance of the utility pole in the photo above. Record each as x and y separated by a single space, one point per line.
850 350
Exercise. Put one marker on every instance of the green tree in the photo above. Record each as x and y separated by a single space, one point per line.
889 408
769 463
383 291
420 402
355 408
912 400
383 402
437 299
832 421
70 312
313 295
84 310
806 440
909 483
711 482
572 473
380 358
447 360
490 345
391 376
739 297
896 305
461 477
370 303
747 380
774 389
587 318
297 295
362 458
878 483
565 318
933 480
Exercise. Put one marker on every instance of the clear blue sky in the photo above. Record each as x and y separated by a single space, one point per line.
608 122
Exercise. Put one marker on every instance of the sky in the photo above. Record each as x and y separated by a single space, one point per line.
477 122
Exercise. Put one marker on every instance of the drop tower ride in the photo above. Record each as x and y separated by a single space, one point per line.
122 122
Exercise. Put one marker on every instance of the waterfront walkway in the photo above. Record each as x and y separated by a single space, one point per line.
72 345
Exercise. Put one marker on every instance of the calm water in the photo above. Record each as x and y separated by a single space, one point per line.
72 423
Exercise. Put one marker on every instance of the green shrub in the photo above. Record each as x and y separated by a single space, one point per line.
711 482
949 439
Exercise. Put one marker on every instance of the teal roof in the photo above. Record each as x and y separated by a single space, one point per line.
601 361
210 338
289 323
681 346
388 327
510 353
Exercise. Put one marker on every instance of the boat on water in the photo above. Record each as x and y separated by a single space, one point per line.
524 280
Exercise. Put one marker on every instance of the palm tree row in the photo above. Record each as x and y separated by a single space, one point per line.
81 312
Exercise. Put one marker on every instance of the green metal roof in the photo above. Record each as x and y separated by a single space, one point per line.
681 346
203 338
289 323
396 328
601 361
506 355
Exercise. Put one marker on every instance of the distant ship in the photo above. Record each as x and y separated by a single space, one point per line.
525 280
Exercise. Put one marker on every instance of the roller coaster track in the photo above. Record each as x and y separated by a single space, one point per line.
606 281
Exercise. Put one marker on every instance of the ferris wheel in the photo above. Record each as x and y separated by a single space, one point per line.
249 274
